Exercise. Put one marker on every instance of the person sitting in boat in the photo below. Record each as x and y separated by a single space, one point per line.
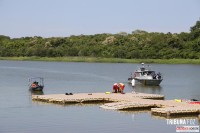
121 88
115 87
34 84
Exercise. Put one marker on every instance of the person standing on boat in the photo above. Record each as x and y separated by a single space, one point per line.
153 75
121 87
158 76
115 87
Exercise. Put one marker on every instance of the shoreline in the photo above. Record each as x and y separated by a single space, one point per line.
103 60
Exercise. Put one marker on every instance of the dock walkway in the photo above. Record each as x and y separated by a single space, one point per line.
128 101
94 97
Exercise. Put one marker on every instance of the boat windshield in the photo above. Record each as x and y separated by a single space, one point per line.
148 73
142 68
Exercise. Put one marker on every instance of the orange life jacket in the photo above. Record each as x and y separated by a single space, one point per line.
33 85
121 86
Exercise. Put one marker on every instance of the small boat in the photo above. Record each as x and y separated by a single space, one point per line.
36 84
146 76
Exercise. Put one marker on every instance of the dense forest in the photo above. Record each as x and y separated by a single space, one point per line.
137 45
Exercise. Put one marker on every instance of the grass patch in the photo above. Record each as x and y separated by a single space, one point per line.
103 60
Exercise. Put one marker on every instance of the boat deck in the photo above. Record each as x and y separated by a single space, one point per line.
128 101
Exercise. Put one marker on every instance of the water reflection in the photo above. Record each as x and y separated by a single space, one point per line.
135 111
146 89
36 92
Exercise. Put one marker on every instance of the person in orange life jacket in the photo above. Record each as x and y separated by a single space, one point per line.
115 87
34 84
121 87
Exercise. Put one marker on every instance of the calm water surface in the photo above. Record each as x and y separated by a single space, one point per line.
18 114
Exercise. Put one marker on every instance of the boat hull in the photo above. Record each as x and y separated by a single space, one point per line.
38 88
153 82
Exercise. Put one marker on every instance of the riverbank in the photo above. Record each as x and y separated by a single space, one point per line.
103 60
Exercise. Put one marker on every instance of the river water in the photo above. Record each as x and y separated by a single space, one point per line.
19 114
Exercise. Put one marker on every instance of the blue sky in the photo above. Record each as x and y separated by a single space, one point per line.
60 18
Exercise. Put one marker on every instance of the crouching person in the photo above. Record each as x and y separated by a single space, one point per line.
115 88
121 88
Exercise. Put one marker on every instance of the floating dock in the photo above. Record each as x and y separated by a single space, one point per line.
94 97
128 101
178 110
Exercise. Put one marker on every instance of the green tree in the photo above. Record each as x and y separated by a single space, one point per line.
195 30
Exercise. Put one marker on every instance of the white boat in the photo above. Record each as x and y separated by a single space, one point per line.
146 76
